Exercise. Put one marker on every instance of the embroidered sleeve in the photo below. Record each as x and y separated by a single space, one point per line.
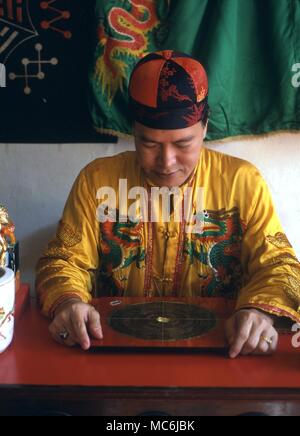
271 269
67 267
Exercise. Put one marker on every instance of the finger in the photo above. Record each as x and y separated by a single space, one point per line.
55 331
62 324
80 331
72 334
94 324
69 342
253 341
275 340
229 330
264 348
73 327
244 326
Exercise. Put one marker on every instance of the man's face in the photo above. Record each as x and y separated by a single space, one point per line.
168 157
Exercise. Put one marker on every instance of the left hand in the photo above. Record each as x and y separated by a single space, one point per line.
250 331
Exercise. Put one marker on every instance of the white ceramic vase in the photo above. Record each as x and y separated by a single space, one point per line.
7 304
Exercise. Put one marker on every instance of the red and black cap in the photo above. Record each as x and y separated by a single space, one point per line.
168 90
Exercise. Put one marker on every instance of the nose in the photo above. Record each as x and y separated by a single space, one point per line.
167 157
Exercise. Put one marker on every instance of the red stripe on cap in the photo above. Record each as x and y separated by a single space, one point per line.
144 82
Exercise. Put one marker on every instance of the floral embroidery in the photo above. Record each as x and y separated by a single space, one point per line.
292 289
195 115
56 252
45 273
67 236
45 263
53 282
168 90
280 240
286 259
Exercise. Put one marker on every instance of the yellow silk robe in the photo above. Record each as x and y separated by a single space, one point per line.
241 253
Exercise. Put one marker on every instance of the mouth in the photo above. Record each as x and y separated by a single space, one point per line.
166 175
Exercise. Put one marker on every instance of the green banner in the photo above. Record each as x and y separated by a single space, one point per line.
250 49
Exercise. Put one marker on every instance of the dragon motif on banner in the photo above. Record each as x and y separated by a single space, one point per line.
127 35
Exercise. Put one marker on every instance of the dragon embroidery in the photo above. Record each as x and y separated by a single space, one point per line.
121 246
215 253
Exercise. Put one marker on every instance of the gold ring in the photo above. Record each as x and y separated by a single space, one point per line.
269 341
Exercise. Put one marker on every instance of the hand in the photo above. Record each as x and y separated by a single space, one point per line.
78 320
248 332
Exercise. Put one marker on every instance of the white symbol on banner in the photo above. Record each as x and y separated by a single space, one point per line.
16 26
38 64
2 76
59 16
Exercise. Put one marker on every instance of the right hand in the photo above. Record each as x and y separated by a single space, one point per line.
79 320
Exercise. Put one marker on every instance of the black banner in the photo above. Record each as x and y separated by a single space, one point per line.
45 50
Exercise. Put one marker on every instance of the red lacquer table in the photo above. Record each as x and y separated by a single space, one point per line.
40 376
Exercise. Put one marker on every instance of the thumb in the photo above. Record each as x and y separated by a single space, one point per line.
94 324
230 330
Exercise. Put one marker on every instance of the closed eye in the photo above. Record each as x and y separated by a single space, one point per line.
150 144
183 145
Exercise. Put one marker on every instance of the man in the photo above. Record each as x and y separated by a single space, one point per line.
238 252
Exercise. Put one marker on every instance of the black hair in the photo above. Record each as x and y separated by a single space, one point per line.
205 113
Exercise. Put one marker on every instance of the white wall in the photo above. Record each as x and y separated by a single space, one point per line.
35 181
